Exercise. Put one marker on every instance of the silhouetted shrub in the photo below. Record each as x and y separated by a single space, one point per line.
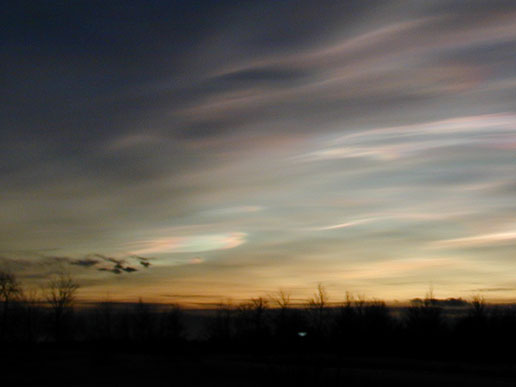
252 320
424 329
171 323
362 325
221 328
143 327
10 291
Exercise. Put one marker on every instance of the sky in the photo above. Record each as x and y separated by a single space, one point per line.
199 151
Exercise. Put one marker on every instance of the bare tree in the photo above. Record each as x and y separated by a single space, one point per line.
478 304
320 299
10 290
104 316
221 329
172 323
479 313
31 301
252 318
144 314
60 295
282 299
424 318
318 306
288 321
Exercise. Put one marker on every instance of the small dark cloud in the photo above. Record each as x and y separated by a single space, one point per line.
451 302
144 261
86 262
109 259
42 262
119 264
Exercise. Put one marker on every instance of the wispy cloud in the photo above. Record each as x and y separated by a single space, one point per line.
397 267
391 216
232 211
490 130
344 225
478 240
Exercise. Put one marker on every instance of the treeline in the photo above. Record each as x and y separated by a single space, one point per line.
355 326
363 327
50 314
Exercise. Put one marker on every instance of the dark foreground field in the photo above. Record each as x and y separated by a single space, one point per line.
103 367
356 343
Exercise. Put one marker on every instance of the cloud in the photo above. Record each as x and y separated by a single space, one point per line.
344 225
196 260
490 130
40 261
218 297
500 289
119 264
232 211
144 261
397 267
190 244
113 270
492 239
85 262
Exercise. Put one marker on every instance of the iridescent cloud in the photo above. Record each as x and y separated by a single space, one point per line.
189 244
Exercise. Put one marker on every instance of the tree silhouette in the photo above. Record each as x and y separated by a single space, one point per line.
104 316
144 321
60 295
288 321
220 330
318 308
31 300
252 319
171 323
10 290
